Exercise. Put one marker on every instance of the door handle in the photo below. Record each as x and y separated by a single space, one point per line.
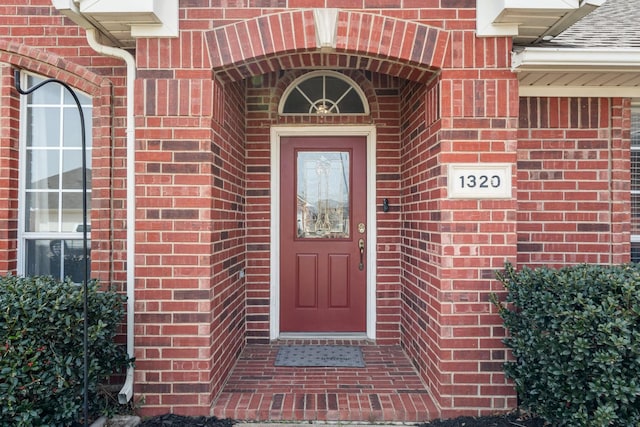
361 246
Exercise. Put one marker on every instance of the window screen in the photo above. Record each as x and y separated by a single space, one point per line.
635 184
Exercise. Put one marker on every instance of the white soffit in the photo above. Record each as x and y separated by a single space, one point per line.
599 72
529 21
122 21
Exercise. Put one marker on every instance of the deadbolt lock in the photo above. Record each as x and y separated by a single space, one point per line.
362 228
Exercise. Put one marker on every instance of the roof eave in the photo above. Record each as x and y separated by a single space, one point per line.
529 21
588 62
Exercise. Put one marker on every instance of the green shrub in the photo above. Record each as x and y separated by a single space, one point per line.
575 338
41 349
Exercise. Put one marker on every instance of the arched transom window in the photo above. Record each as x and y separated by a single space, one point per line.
325 93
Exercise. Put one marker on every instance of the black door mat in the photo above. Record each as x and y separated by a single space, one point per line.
320 356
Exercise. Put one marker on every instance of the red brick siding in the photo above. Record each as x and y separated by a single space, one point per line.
573 181
452 248
9 148
421 243
203 165
362 41
190 239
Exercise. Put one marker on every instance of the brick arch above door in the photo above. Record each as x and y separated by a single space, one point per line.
325 38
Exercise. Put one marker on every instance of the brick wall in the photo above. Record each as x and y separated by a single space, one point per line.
452 248
421 244
36 38
9 125
190 296
205 105
573 181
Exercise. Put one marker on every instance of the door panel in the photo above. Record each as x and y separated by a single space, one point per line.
338 286
323 218
307 273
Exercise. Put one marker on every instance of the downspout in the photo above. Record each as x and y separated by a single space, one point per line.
126 392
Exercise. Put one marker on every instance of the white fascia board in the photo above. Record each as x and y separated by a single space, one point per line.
492 15
596 3
503 17
69 9
487 11
117 6
162 15
571 59
167 11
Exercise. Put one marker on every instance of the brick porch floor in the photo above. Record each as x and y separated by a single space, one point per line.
387 389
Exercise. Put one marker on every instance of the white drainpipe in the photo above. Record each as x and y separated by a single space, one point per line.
126 392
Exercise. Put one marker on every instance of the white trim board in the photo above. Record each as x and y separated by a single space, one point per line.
278 132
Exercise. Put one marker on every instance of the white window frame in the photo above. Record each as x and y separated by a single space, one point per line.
23 235
323 73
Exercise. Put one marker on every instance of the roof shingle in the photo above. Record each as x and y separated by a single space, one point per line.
614 24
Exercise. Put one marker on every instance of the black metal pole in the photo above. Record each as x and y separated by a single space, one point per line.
85 252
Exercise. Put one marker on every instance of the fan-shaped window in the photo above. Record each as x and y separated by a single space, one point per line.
323 93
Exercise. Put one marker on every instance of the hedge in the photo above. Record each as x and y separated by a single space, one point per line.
575 337
41 349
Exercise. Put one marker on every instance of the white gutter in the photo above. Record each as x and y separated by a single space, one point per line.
126 392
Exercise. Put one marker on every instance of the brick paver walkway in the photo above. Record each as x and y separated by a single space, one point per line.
387 389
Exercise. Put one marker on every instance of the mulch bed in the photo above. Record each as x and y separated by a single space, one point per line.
171 420
511 420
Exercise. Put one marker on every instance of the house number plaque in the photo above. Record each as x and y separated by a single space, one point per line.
479 181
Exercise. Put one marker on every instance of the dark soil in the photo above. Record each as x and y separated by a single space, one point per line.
171 420
510 420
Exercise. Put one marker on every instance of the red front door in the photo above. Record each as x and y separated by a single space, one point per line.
323 234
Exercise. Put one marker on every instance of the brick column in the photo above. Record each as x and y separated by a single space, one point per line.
9 115
453 247
189 241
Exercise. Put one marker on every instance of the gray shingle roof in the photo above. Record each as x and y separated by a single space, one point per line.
615 24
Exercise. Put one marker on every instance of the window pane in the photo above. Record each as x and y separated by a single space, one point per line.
72 167
635 213
71 126
635 252
351 103
43 257
72 211
42 169
296 103
635 128
312 88
41 212
74 260
43 127
68 99
47 94
335 88
323 194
